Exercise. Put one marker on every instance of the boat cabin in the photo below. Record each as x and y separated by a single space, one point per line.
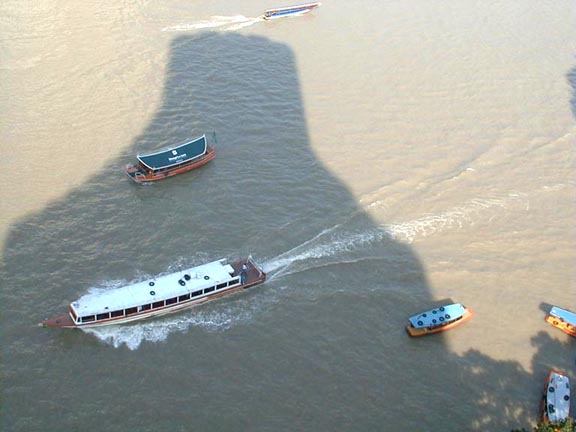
172 161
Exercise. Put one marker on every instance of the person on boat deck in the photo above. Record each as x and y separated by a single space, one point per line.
243 274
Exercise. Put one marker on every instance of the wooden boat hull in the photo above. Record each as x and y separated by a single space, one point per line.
143 176
418 332
559 318
254 276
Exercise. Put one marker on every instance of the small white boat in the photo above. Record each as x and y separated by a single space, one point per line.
438 320
290 10
160 296
556 398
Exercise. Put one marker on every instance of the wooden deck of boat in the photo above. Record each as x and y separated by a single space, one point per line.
253 275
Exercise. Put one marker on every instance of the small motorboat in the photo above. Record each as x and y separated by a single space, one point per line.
161 295
562 319
167 163
438 320
556 397
290 10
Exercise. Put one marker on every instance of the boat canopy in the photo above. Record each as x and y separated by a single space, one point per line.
157 289
558 397
292 9
438 316
563 315
175 156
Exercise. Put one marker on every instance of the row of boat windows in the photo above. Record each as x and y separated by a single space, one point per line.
155 305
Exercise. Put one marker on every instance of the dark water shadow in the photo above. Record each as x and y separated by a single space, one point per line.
246 88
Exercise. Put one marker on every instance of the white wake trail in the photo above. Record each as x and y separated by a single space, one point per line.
224 23
342 238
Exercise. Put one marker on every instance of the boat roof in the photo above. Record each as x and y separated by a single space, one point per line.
558 397
175 155
564 315
437 316
297 7
156 289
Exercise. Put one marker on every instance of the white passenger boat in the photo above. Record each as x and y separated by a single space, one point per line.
556 398
438 320
160 296
290 10
562 319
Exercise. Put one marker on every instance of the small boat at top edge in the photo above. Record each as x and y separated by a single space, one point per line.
290 10
556 397
562 319
438 320
172 161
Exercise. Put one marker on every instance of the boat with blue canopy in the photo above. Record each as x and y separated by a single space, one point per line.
556 397
172 161
290 10
160 295
562 319
438 320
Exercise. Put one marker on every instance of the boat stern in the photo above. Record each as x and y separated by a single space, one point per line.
61 321
135 173
416 332
254 274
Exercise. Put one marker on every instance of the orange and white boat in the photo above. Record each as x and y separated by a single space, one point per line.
563 320
438 320
170 162
160 296
556 397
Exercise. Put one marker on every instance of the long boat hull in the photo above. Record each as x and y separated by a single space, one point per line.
254 276
140 175
290 10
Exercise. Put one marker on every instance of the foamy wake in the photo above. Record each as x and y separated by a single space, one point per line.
341 238
468 214
211 318
315 252
222 23
158 330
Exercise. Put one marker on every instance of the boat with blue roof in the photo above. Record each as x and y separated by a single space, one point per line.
438 320
556 397
562 319
161 295
290 10
172 161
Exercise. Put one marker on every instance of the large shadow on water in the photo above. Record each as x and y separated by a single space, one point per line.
294 368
